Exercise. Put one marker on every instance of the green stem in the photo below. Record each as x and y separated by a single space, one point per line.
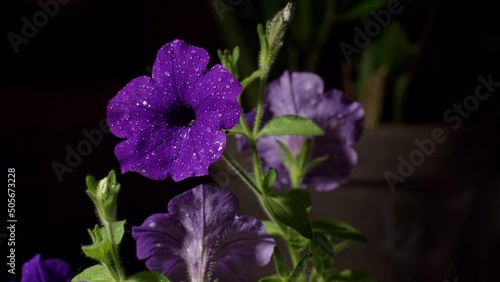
260 105
240 172
260 196
114 252
110 270
256 166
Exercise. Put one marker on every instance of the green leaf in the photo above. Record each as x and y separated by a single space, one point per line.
272 279
314 163
111 178
289 211
91 183
300 268
289 159
269 179
96 273
238 129
280 264
118 230
236 55
392 48
271 228
98 251
291 125
302 195
338 229
350 276
362 9
297 241
322 253
100 247
148 276
304 153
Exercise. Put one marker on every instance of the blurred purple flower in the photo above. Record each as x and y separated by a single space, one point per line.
50 270
174 121
202 239
301 93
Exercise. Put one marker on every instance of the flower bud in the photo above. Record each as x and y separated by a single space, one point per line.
276 28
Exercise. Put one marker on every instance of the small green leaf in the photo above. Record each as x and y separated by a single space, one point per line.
112 178
314 163
280 264
91 183
100 248
269 179
300 268
322 253
350 276
291 125
297 241
148 276
338 229
238 129
98 251
302 195
272 279
118 230
362 9
236 55
271 228
96 273
289 211
304 153
289 159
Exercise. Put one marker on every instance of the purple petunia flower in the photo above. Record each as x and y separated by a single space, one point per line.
50 270
301 93
202 239
174 121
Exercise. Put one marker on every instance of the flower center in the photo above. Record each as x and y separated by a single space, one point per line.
180 115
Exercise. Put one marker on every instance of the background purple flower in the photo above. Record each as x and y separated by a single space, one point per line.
50 270
301 93
201 238
174 121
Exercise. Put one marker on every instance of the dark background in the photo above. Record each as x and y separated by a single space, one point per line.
58 84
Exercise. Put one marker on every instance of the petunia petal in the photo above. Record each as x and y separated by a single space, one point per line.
221 107
294 93
137 107
151 155
202 236
178 67
51 270
204 146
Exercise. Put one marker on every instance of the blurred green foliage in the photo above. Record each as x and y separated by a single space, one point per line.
379 73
